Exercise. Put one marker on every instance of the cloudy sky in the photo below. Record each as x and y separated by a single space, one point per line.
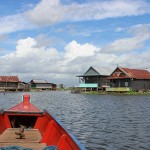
56 40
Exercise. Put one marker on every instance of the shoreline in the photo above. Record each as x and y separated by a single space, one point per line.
87 92
117 93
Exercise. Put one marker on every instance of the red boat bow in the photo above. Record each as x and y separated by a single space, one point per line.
25 106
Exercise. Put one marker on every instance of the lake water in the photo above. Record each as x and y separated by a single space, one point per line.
100 122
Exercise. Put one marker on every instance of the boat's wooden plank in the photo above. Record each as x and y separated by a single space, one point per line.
34 146
31 139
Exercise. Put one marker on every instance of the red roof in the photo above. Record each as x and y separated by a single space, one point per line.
137 73
25 106
130 73
9 79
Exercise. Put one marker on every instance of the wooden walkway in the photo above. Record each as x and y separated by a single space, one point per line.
31 139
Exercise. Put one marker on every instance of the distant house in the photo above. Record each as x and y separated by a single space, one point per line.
25 86
126 79
10 83
95 78
42 85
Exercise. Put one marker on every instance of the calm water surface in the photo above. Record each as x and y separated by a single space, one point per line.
100 122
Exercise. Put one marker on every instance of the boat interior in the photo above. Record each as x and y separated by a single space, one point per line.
27 121
40 130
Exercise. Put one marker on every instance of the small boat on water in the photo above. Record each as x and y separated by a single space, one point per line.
26 126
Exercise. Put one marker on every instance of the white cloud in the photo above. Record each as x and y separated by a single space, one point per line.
74 50
44 40
119 29
28 58
14 23
52 11
140 34
31 62
48 12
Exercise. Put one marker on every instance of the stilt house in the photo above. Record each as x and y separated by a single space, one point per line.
9 83
42 85
126 79
95 78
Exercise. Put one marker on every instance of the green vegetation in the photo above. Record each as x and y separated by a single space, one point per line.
118 93
137 93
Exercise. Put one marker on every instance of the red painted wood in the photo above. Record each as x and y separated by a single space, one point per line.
47 132
26 100
7 122
56 135
25 106
64 143
2 123
52 132
41 124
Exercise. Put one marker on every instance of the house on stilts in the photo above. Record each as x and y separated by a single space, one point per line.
11 83
94 79
127 79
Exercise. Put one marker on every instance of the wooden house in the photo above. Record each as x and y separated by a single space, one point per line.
42 85
95 78
9 83
126 79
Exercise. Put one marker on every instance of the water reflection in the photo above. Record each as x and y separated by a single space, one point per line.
99 121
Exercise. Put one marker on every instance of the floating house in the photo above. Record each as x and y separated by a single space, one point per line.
10 83
126 79
42 85
95 78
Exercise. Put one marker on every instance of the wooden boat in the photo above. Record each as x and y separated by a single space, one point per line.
39 129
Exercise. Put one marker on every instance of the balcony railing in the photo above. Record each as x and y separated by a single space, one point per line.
88 85
118 89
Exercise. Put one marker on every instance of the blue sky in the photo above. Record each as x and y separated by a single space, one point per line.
56 40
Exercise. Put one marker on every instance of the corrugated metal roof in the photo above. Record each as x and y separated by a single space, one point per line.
1 79
137 73
98 71
9 79
131 73
104 70
38 81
